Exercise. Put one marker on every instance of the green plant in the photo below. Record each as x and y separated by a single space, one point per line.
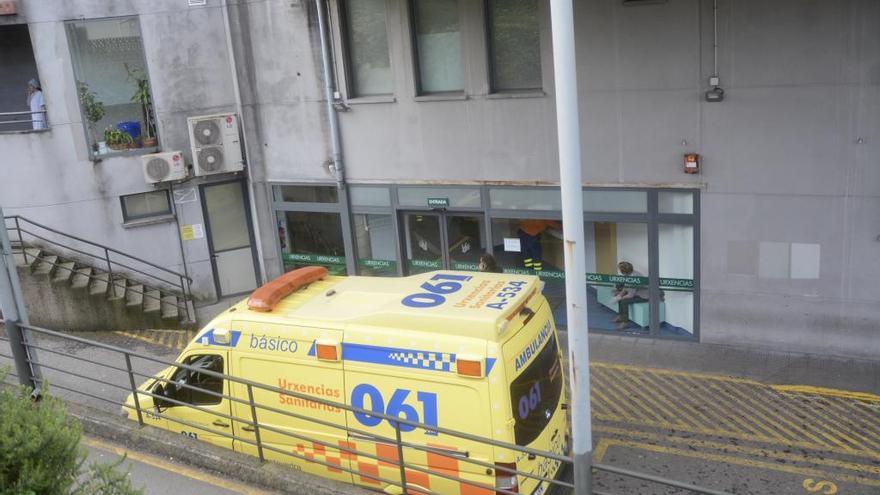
143 96
40 452
92 108
115 137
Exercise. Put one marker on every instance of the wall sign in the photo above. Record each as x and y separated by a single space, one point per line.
191 232
438 202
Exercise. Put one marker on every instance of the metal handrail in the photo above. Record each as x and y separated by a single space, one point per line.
23 121
406 468
182 283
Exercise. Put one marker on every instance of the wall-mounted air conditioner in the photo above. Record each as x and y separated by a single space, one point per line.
161 167
216 144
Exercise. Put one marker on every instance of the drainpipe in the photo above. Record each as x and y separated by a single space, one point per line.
336 164
233 68
568 130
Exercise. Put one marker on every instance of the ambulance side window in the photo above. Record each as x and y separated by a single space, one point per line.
206 389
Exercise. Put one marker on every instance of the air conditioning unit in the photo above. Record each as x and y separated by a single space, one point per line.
161 167
216 144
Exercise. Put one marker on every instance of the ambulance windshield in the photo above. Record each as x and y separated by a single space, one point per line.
535 394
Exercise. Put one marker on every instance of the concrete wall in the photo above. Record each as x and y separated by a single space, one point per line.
789 156
790 177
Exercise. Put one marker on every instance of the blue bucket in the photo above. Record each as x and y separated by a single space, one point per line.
131 127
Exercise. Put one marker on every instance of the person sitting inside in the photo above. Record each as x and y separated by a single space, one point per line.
625 296
488 264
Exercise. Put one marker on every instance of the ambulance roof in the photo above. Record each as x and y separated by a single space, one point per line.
445 302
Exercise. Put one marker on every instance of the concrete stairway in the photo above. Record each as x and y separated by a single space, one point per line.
67 294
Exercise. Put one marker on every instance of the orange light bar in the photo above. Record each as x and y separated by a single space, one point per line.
327 352
468 367
266 297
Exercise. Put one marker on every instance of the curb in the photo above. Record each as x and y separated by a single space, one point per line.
241 467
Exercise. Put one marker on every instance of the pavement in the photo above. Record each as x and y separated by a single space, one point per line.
736 419
157 475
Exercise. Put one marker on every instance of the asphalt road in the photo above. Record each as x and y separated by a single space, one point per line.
724 432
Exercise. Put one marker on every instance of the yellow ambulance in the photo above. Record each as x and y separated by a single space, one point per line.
470 352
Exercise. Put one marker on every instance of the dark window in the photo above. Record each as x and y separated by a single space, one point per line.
203 389
307 194
535 393
310 238
514 44
366 37
145 205
19 99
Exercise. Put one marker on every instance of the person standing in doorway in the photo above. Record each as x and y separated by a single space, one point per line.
37 105
626 296
529 233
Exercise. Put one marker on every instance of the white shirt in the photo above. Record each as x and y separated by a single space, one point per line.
37 106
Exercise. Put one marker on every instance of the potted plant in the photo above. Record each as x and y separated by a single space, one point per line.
92 109
144 98
116 139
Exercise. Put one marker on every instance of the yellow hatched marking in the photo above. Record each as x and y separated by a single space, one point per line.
828 392
827 424
854 420
707 413
596 392
761 408
633 403
758 452
662 403
661 371
746 462
630 410
733 420
636 395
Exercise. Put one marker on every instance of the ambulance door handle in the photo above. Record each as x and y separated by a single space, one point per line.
531 457
221 423
248 428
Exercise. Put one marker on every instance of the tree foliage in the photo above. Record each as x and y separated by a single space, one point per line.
40 452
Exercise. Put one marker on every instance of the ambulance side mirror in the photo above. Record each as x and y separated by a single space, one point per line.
162 392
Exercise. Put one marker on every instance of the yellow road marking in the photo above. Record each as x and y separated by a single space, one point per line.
662 371
758 452
599 451
750 463
173 468
830 392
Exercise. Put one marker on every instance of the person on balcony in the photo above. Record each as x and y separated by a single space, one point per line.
37 105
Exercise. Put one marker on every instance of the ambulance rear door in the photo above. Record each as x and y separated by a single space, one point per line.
284 356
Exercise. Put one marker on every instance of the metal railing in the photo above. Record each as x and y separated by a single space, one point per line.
405 471
26 124
26 232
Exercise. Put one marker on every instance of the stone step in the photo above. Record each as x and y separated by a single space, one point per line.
26 257
117 289
63 272
100 283
134 295
152 300
45 265
81 277
169 307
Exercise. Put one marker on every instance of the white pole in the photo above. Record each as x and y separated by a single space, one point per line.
568 130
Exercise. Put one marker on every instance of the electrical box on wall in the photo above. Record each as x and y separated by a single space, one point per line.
8 7
691 163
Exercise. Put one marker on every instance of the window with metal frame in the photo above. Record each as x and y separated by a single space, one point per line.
437 46
145 205
365 35
514 40
112 85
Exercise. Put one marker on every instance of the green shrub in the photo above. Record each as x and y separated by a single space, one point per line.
40 452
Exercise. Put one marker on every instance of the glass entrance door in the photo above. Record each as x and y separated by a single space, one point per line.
229 237
440 240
